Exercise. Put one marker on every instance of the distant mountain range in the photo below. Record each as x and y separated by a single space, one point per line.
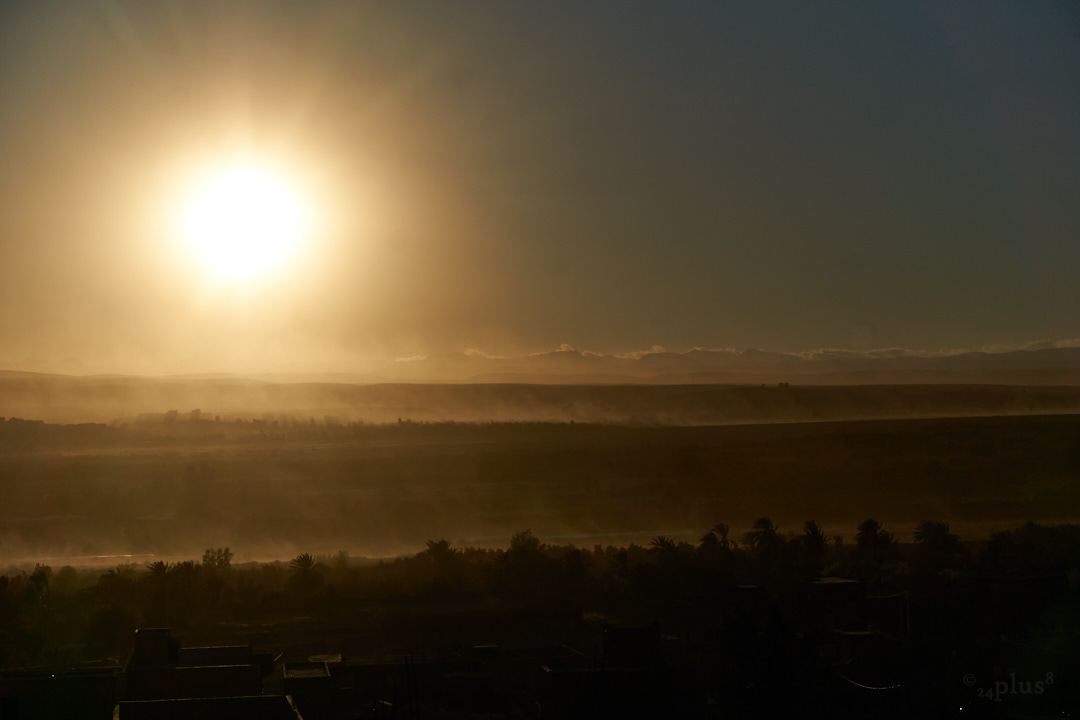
1042 366
1047 366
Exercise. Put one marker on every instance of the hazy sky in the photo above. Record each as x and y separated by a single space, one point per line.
511 177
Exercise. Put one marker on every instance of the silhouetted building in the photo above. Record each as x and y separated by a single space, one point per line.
310 686
830 603
395 683
632 681
628 647
607 693
258 707
159 670
59 694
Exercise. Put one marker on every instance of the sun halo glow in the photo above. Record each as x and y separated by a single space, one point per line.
243 221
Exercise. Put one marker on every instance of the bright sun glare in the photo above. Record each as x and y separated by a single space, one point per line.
243 221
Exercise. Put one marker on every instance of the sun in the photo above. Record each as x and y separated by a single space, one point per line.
243 220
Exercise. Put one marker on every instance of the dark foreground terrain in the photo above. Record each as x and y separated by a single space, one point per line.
267 491
669 571
762 624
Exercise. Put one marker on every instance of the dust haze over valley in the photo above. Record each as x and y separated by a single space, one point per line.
159 467
569 385
379 490
141 466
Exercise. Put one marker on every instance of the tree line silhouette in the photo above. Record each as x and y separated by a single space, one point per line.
70 616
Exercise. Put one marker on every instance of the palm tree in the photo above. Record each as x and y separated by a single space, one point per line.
159 579
185 582
999 552
442 556
722 530
158 569
873 541
119 575
937 545
664 547
187 567
302 563
816 543
118 583
866 534
662 542
762 536
439 549
932 531
814 538
305 577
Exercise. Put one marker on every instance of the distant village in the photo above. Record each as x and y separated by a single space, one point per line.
768 625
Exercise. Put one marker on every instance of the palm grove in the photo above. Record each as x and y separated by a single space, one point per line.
68 616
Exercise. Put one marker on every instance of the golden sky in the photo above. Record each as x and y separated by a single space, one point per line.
519 176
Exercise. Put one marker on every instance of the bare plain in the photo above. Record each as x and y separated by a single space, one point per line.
171 485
